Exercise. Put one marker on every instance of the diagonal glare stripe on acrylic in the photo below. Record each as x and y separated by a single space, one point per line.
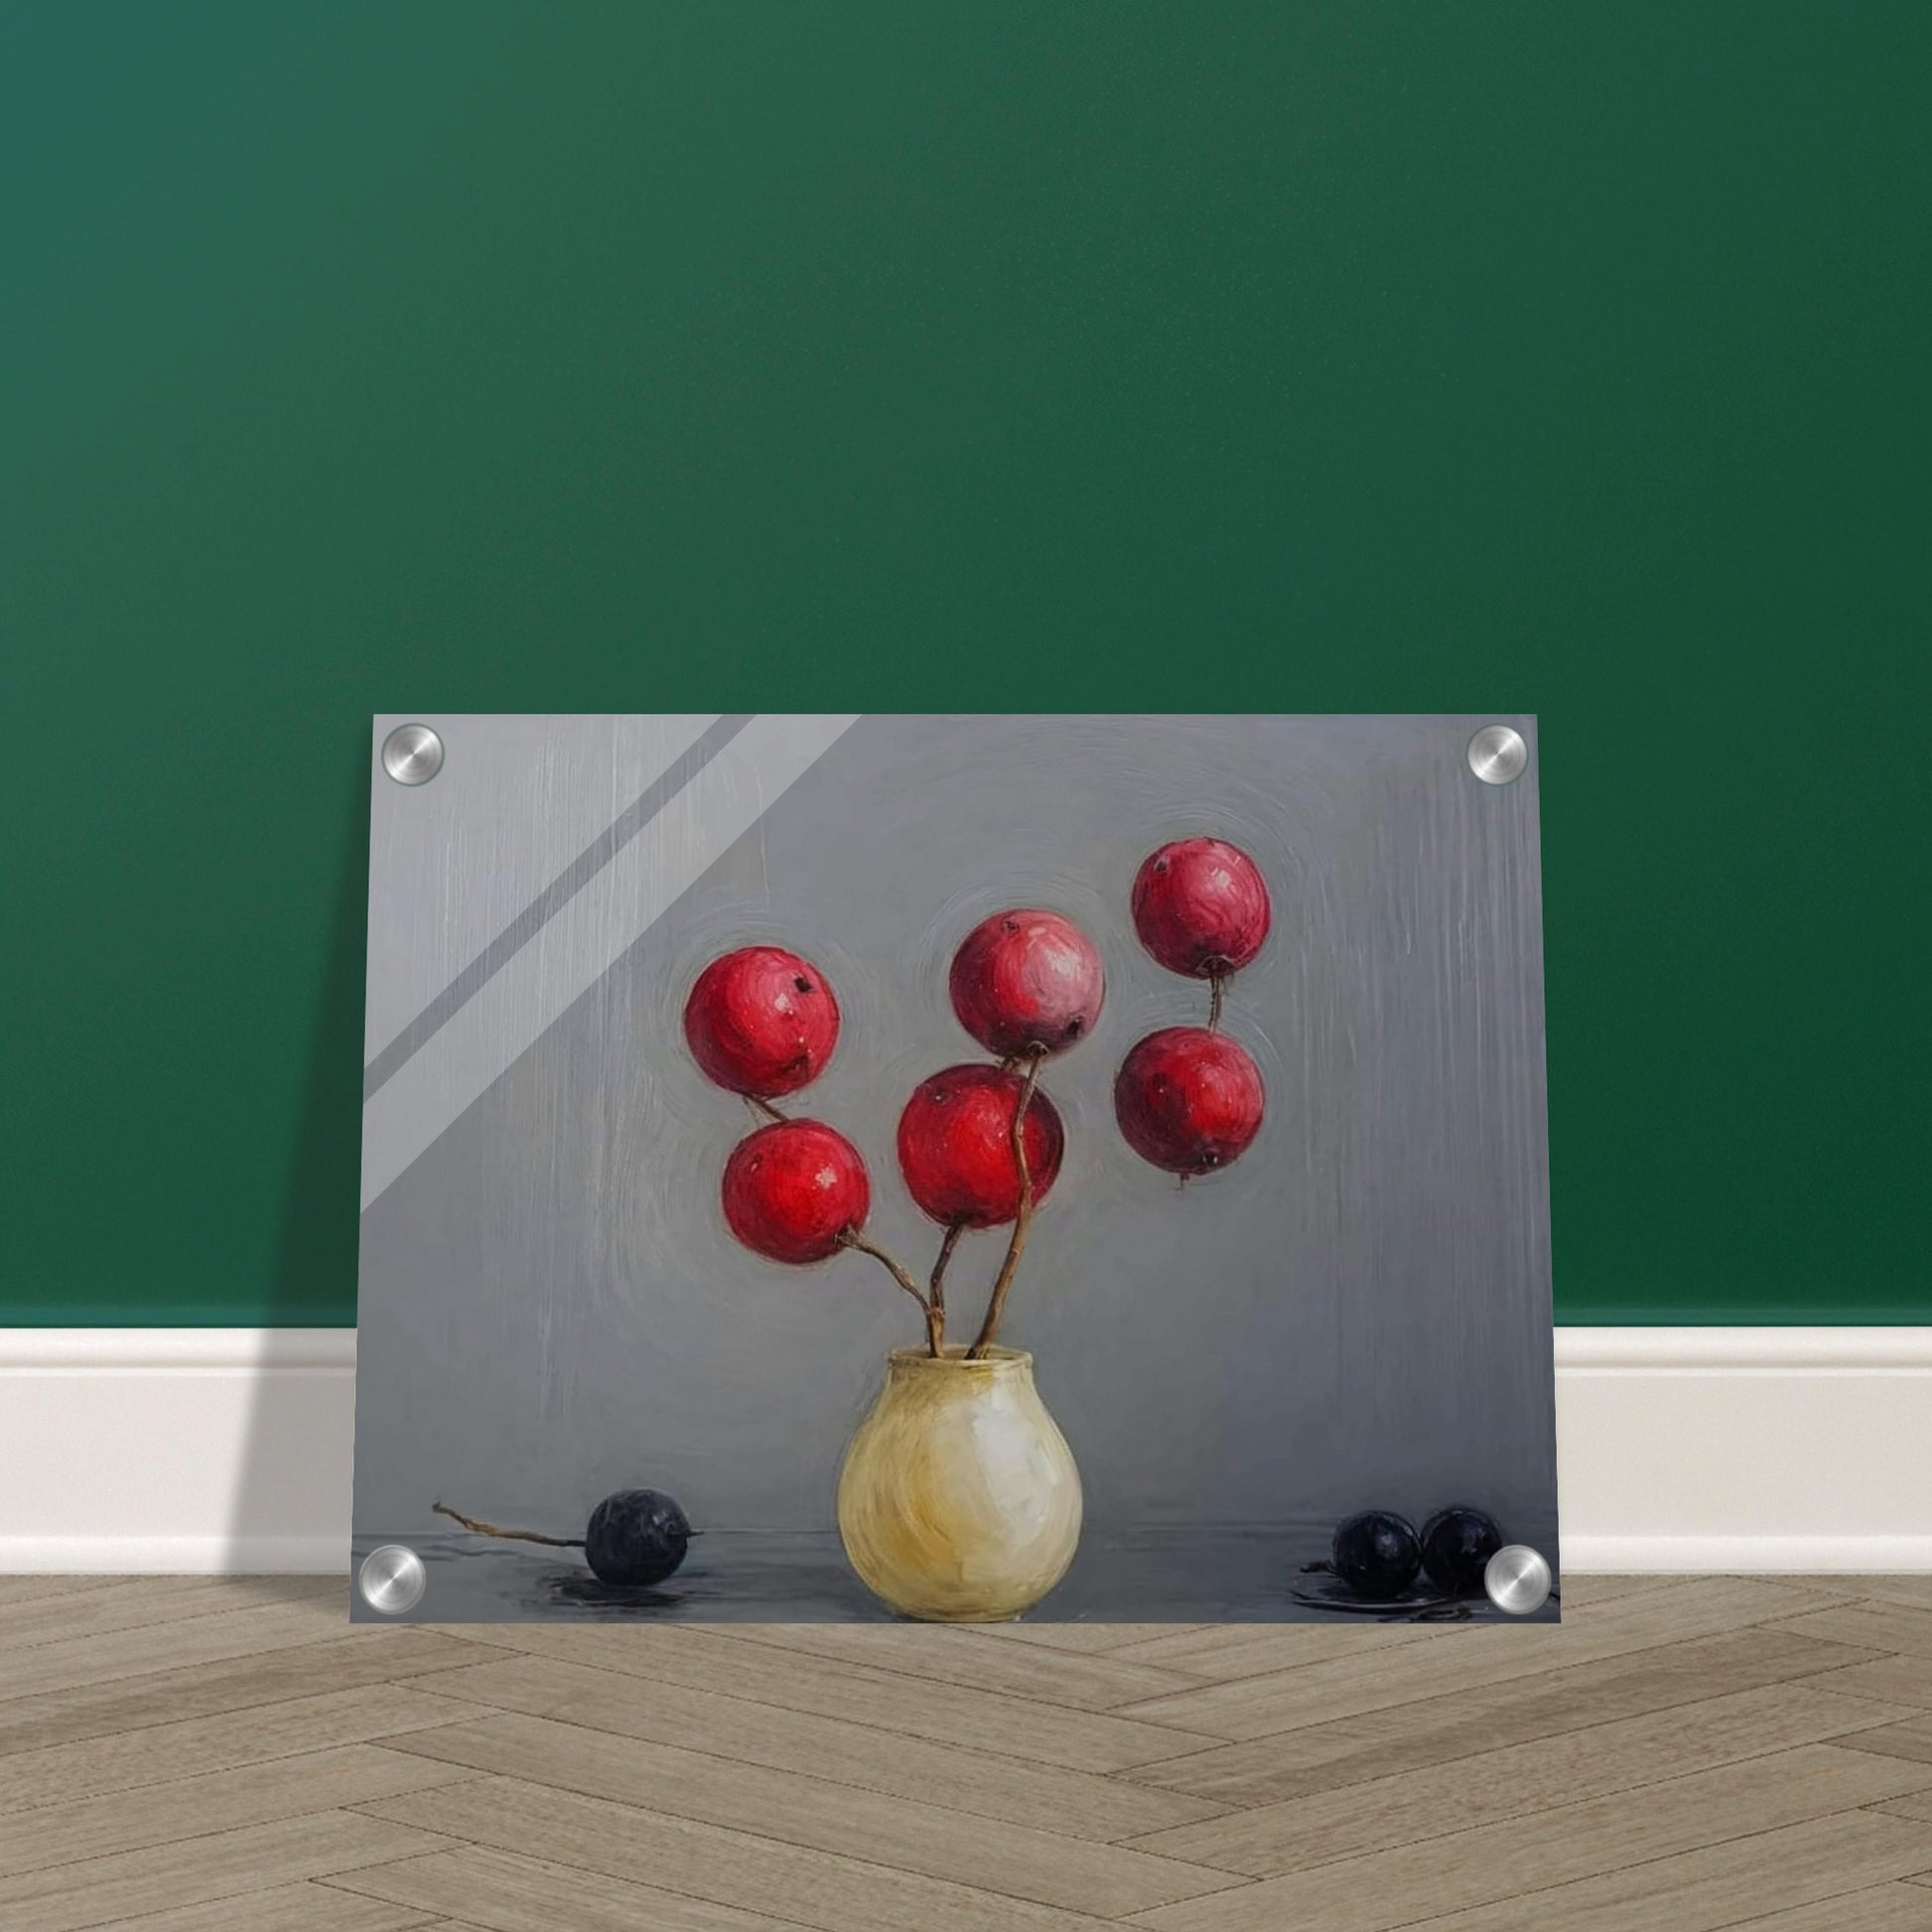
561 889
565 956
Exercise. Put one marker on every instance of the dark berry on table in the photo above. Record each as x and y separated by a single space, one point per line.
1456 1545
638 1536
1376 1553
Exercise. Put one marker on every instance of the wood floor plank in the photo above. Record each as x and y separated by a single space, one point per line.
208 1639
1914 1804
1378 1679
1495 1863
199 1870
1909 1737
1094 1638
1913 1592
499 1891
754 1874
315 1906
973 1659
1736 1885
1439 1729
906 1833
372 1656
1903 1630
1516 1781
1586 1593
160 1753
1893 1908
25 1590
258 1794
1223 1652
136 1603
1084 1741
1683 1753
1080 1804
1887 1679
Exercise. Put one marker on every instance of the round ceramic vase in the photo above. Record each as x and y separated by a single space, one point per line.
959 1501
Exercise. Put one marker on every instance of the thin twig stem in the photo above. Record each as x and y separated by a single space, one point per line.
937 1293
851 1240
765 1108
934 1317
1215 981
1023 1220
515 1536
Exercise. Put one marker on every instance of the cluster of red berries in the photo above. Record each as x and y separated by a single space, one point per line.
980 1145
1189 1098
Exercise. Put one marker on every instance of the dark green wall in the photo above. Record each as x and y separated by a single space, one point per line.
1037 356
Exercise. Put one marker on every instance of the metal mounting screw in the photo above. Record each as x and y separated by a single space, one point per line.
392 1579
412 755
1498 755
1517 1579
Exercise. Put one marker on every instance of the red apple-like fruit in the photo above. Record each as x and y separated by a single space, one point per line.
955 1145
792 1188
1025 979
761 1020
1200 907
1190 1100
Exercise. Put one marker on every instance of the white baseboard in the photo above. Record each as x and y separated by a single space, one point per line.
1745 1449
228 1450
185 1451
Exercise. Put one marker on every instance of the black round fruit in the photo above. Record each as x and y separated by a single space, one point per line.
638 1536
1376 1553
1456 1545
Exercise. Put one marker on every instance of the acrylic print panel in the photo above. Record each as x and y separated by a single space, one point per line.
1204 1052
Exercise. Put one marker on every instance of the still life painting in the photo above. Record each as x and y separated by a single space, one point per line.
959 1169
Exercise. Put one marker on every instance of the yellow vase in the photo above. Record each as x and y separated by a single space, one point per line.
959 1501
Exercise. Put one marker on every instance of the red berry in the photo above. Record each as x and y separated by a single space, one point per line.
792 1188
955 1145
1190 1100
1200 907
761 1020
1024 979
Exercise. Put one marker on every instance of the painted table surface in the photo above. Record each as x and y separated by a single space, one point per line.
1223 1576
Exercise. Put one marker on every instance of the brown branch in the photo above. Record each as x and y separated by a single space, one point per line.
851 1240
934 1317
1216 981
1023 1220
765 1108
953 1231
937 1293
514 1535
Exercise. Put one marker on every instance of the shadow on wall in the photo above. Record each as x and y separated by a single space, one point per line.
291 1480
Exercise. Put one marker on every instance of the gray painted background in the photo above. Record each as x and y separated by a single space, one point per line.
1356 1313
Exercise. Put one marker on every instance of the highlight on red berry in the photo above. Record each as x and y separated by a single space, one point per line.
1190 1100
795 1190
1026 981
1200 907
955 1146
761 1020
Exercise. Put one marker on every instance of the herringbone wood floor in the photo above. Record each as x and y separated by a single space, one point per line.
185 1755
